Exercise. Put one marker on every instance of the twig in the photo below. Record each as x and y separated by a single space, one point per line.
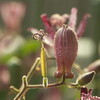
25 87
14 90
49 85
30 73
77 68
50 58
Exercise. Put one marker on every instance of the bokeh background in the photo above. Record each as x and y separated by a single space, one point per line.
18 50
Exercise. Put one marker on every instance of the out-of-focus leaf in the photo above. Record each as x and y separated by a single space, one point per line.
14 65
29 47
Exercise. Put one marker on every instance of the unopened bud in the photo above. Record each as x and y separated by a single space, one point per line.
66 46
85 78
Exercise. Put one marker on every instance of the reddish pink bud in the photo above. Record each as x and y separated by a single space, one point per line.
73 18
48 25
82 25
66 46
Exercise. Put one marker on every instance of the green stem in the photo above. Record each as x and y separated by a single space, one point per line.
14 90
30 73
51 58
21 93
23 88
49 85
77 68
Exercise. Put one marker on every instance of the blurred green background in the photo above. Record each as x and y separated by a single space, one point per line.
16 59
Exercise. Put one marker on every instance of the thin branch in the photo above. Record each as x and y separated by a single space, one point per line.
23 98
23 88
14 90
51 58
48 56
21 93
30 73
49 85
77 68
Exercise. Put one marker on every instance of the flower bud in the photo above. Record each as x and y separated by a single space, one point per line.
66 46
85 78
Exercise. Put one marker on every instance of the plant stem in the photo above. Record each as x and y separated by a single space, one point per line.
25 87
30 73
49 85
77 68
14 90
50 58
